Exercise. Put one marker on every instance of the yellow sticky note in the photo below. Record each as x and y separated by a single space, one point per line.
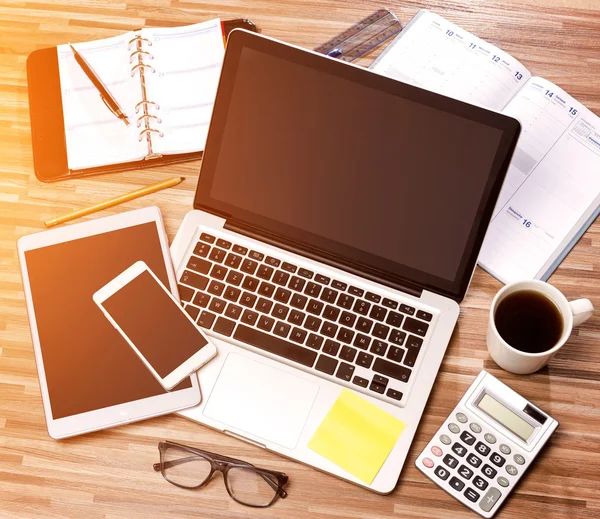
357 436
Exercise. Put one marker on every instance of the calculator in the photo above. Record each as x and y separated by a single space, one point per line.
486 444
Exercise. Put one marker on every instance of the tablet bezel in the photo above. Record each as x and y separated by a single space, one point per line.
118 414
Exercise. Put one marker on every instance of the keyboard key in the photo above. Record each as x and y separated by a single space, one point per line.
441 473
312 289
377 313
326 364
185 293
255 255
192 311
361 341
240 250
359 381
364 359
347 319
224 244
372 297
248 266
331 347
201 300
218 272
322 279
305 273
201 249
348 353
250 283
281 278
390 303
216 287
392 393
217 305
465 472
280 311
298 335
289 267
345 301
234 278
206 319
314 307
482 448
480 483
426 316
274 262
345 371
391 370
413 326
362 307
378 347
395 354
331 313
266 289
329 295
217 255
405 309
265 323
381 331
298 301
248 299
264 305
312 323
233 311
224 326
364 325
282 295
233 260
459 449
265 272
329 329
194 280
397 337
314 341
274 345
198 265
249 317
345 335
414 342
282 329
489 471
456 484
394 319
297 284
450 460
378 388
296 317
355 291
208 238
471 495
339 285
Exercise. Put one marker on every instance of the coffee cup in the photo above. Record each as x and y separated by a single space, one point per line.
530 321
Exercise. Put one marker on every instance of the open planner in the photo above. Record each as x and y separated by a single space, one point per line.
551 193
164 79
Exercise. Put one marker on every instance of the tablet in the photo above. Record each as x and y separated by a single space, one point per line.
90 378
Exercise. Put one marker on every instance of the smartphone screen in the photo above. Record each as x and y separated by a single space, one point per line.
154 323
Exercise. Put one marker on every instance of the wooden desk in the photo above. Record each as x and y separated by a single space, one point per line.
109 474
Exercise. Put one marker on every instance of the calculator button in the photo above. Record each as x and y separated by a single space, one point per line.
454 428
468 438
475 427
465 472
511 470
490 438
481 483
436 450
462 417
459 449
471 495
497 460
441 473
428 463
456 484
490 472
502 481
505 449
473 460
482 449
450 460
490 499
445 439
519 460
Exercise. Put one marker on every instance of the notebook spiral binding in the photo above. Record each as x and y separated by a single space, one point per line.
138 58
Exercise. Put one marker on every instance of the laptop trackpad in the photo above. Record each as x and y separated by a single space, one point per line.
261 400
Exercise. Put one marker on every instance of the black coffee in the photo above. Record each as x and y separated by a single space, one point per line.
529 321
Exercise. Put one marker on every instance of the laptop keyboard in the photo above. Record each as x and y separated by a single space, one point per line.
326 326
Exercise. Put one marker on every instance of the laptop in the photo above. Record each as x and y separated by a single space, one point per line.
335 229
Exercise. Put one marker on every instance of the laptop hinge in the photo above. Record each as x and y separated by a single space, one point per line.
324 257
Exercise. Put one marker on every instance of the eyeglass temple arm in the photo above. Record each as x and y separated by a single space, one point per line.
174 463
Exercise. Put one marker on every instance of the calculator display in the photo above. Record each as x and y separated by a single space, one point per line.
506 417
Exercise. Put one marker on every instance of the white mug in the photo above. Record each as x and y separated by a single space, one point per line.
520 362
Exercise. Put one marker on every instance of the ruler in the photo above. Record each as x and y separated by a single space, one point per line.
363 36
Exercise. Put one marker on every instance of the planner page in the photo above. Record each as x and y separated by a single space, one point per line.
187 64
437 55
552 187
94 135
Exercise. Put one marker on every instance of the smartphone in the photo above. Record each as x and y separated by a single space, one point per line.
154 324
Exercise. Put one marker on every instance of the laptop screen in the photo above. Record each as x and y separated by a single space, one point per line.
360 167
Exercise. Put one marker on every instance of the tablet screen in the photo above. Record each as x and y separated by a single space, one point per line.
87 363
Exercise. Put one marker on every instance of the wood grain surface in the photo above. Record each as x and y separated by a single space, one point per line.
109 474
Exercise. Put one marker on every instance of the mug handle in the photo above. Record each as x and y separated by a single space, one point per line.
582 310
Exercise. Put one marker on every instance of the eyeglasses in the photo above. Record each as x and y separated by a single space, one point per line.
187 467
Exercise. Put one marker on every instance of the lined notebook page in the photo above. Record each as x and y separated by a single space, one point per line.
95 137
552 186
435 54
188 63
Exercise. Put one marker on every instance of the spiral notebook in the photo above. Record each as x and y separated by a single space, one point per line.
164 79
